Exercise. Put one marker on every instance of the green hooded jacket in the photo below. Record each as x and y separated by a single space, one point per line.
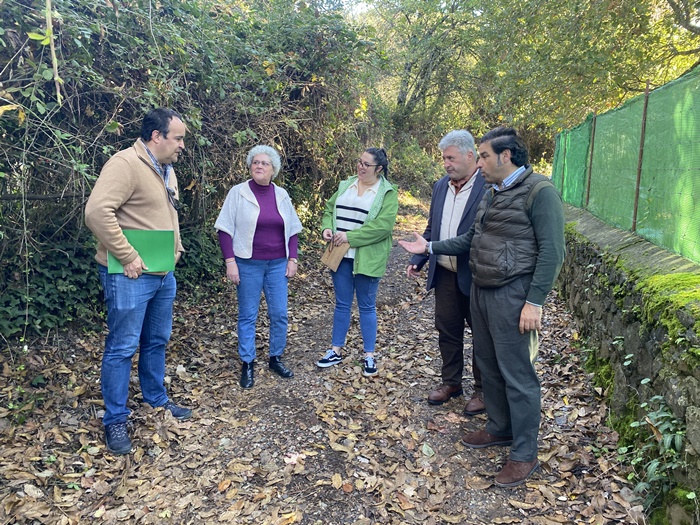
372 241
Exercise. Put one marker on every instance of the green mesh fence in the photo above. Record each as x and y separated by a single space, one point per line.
576 163
669 192
570 163
614 164
667 210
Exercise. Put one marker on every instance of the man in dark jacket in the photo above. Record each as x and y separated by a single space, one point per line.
516 249
453 207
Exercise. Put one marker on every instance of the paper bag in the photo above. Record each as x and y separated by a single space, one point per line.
334 254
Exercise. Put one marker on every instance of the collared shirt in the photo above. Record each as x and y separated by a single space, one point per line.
510 179
452 212
163 170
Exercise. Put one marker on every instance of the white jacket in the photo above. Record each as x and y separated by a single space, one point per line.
239 217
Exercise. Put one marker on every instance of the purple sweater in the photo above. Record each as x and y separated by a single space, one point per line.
268 241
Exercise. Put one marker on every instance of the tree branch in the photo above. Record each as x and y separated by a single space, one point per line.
683 15
50 197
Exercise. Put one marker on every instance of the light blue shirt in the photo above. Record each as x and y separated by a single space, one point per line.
510 179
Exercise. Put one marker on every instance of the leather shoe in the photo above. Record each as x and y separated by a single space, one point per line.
278 367
443 394
482 439
247 380
516 472
475 405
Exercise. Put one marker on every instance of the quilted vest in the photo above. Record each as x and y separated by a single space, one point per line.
504 246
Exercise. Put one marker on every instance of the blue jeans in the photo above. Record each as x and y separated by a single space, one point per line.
365 288
259 276
139 315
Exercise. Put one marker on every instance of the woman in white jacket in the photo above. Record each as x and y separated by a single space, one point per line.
258 233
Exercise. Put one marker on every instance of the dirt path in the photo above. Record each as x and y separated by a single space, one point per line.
327 447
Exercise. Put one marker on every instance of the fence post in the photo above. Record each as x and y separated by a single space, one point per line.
590 163
562 146
641 157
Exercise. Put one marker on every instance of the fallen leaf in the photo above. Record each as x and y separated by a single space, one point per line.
224 484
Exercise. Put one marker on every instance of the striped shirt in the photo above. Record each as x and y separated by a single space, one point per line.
351 209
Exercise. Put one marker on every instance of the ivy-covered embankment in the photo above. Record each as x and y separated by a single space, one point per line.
637 308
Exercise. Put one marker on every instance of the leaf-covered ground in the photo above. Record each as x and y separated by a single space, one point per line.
326 447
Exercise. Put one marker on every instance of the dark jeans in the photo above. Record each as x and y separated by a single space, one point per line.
452 311
506 358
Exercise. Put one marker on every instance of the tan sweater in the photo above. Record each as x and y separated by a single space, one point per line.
129 194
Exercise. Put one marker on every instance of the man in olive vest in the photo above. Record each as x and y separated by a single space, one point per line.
516 249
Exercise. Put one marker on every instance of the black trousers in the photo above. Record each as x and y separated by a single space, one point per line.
452 314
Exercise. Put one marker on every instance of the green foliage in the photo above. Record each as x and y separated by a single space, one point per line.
657 452
601 368
678 497
590 52
201 269
60 284
540 66
417 170
240 74
665 296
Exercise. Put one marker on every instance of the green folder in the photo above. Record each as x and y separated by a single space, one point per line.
156 248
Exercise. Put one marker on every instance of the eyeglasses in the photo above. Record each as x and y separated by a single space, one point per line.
263 163
362 163
174 201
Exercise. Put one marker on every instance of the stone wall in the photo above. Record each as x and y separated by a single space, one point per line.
610 281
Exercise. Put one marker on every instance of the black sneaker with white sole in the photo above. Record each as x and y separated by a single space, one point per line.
370 366
331 358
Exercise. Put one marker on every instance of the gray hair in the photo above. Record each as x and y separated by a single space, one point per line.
270 152
460 138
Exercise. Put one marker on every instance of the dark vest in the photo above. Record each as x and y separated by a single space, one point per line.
504 246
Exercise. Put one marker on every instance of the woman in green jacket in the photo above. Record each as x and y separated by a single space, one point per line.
361 213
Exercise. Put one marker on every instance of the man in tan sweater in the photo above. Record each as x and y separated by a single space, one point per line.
137 190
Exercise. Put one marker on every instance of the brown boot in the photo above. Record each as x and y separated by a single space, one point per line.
482 439
516 472
475 405
444 393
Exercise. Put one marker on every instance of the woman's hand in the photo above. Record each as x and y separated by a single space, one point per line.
232 273
291 269
327 234
340 238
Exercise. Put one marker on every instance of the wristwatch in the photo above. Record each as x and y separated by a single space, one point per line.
427 249
292 259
